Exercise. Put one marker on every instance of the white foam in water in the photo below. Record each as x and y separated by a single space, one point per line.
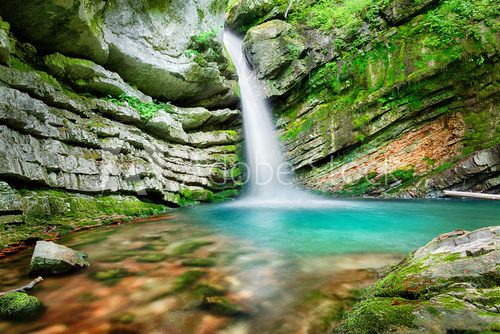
270 178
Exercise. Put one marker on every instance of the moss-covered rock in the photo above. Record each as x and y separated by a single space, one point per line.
373 72
244 14
19 306
139 45
449 285
186 280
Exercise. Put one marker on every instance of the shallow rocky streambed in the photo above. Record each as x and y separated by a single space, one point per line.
190 272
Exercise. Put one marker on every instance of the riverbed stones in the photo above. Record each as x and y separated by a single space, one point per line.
19 306
52 259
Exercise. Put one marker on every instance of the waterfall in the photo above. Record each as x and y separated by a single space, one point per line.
269 176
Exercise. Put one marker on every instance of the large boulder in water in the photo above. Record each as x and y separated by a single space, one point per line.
149 43
52 259
451 285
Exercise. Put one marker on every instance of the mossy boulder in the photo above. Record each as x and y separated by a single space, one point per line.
52 259
449 285
19 306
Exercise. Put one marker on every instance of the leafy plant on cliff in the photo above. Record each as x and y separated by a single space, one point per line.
204 48
147 110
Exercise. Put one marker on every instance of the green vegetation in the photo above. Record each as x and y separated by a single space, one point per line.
188 247
19 306
152 257
53 213
374 182
378 315
147 110
187 279
204 48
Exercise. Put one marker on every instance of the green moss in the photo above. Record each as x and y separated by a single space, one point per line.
450 302
187 279
205 290
152 257
204 48
19 306
189 247
379 315
147 110
483 130
452 257
403 281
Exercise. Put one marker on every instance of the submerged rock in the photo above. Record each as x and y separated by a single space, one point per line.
449 285
19 306
52 259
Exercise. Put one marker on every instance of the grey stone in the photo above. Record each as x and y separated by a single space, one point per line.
85 75
52 259
245 13
281 55
10 201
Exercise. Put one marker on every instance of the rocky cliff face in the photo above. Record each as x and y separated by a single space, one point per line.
381 98
139 40
79 142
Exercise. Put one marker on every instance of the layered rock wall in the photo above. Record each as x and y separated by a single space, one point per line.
69 154
379 97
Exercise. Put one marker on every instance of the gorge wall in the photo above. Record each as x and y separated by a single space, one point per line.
384 98
87 128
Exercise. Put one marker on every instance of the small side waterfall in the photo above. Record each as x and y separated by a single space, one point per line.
270 177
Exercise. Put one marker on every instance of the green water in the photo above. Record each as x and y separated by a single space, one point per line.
355 226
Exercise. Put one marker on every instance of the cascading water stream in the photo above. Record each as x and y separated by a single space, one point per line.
270 178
